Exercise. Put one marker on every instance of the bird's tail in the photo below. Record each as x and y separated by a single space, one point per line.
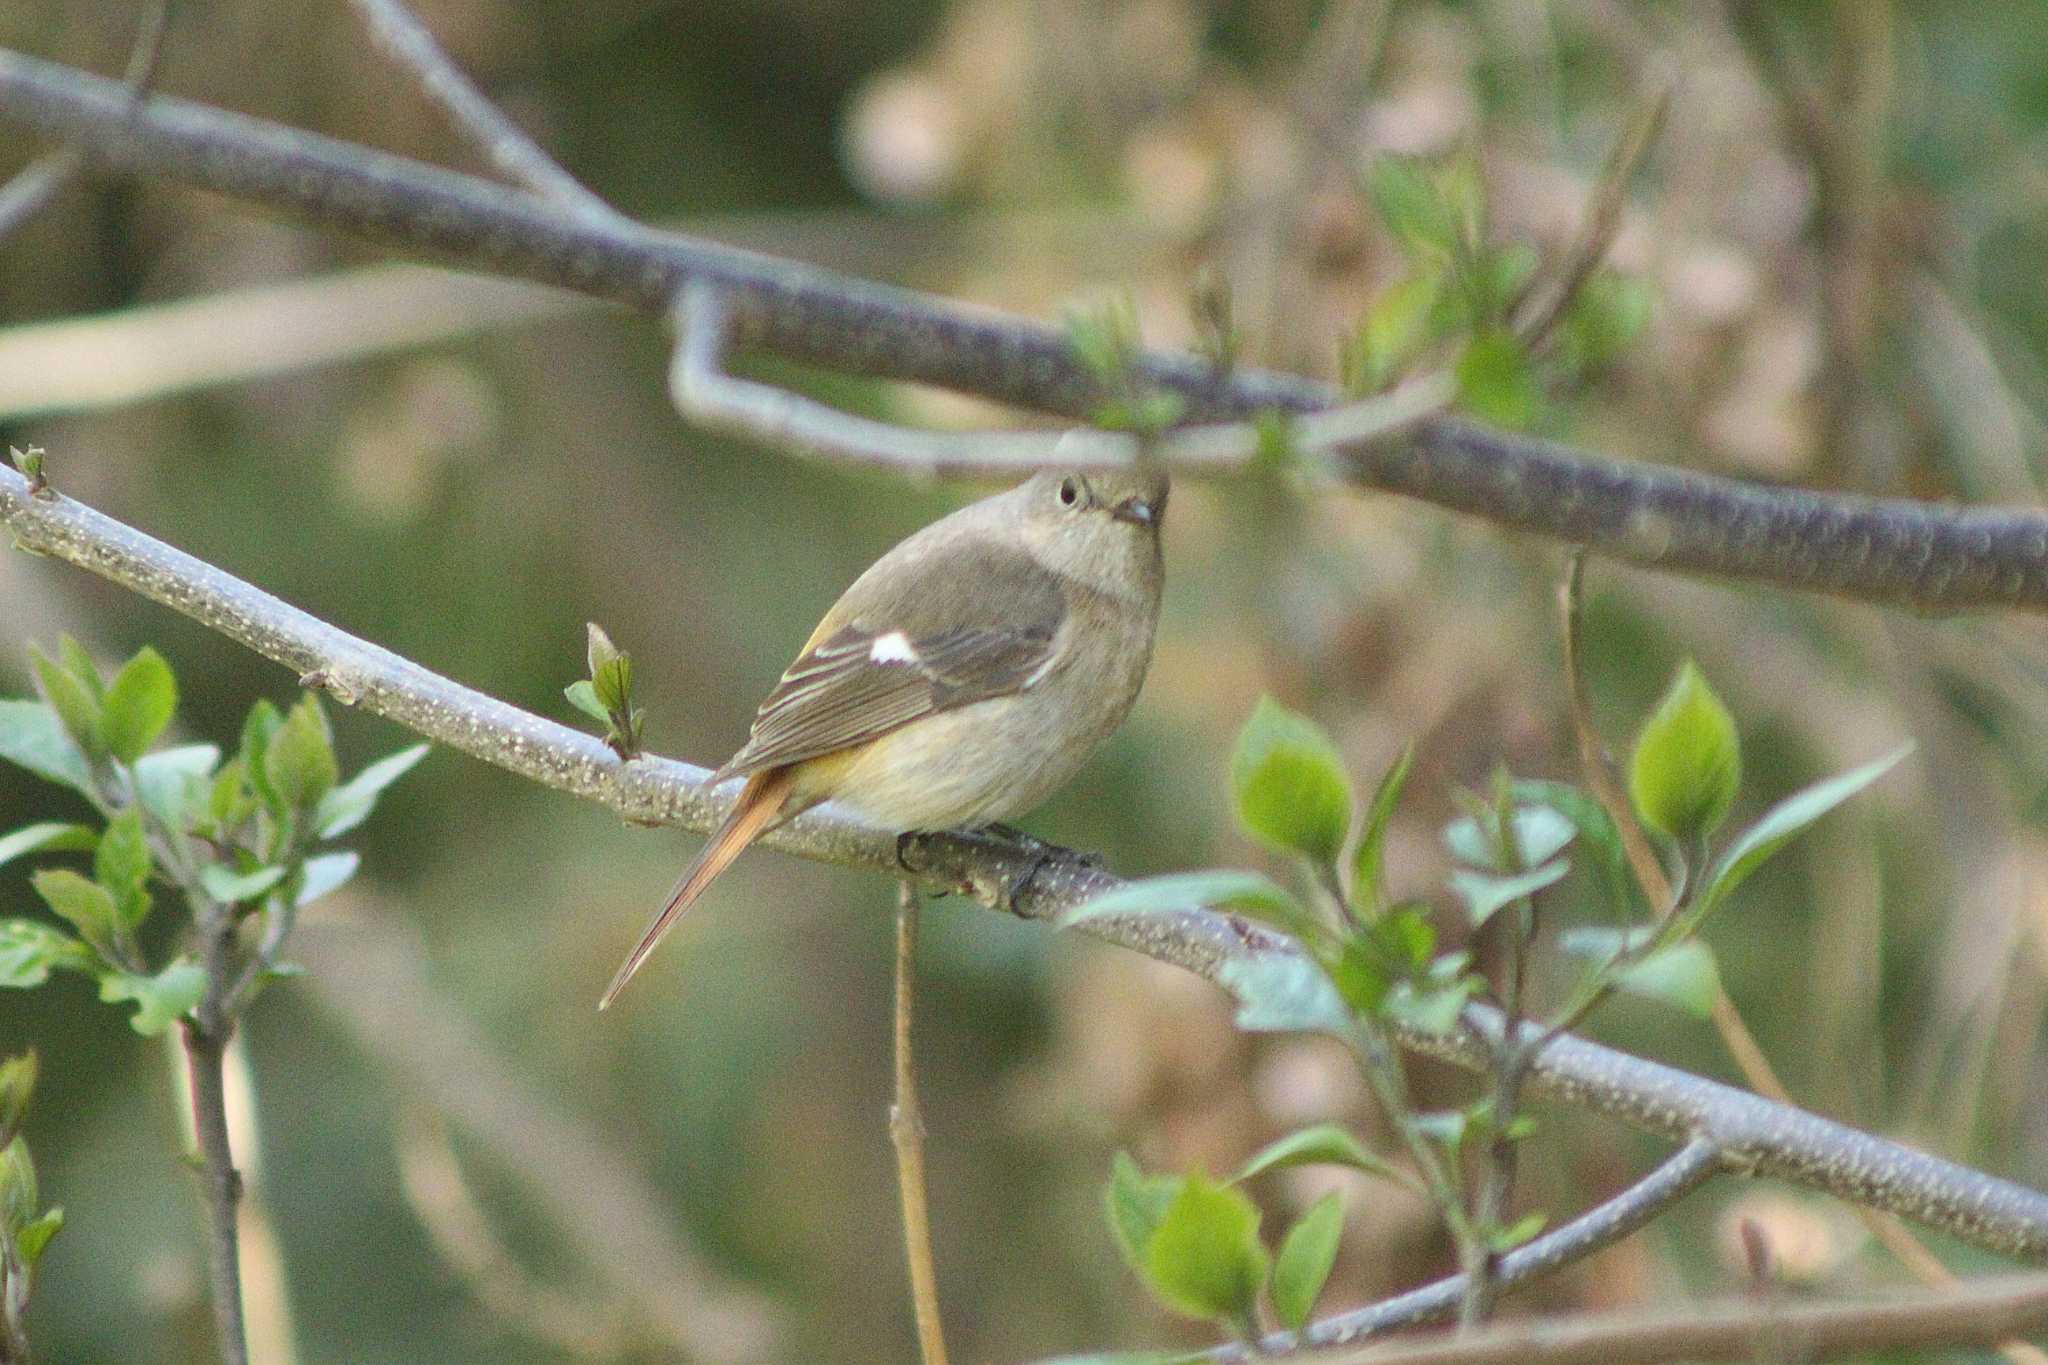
761 801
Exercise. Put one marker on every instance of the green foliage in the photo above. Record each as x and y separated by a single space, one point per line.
1306 1256
17 1085
1683 975
1368 898
29 463
606 696
24 1230
1687 763
237 838
1325 1144
1205 1258
1290 785
1135 1203
1497 381
1106 341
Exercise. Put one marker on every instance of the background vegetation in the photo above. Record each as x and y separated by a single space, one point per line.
1847 293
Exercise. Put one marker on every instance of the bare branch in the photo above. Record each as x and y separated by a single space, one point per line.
409 42
1740 1329
1889 550
1756 1135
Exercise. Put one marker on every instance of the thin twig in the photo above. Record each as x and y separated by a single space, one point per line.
406 40
906 1132
1767 1138
1741 1329
43 179
1890 550
207 1032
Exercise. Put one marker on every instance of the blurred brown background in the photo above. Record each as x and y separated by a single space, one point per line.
460 1161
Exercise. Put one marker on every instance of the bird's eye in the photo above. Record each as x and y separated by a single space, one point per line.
1070 492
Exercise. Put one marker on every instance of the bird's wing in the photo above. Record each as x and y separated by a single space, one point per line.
946 627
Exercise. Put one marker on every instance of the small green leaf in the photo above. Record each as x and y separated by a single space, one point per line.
1603 943
1596 833
1292 792
1248 893
1368 893
299 761
258 730
18 1194
1783 822
1323 1145
76 703
17 1085
229 887
87 906
161 999
1607 314
1485 894
232 799
1683 975
36 1234
1134 1203
1445 1127
1540 834
1430 1007
1405 936
1497 382
1205 1258
1306 1255
1361 974
30 949
1397 325
1282 993
1521 1230
1687 762
172 783
51 836
322 874
139 704
1413 205
348 805
613 683
583 697
32 737
78 663
122 865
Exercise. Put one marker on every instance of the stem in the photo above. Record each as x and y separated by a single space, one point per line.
906 1131
207 1033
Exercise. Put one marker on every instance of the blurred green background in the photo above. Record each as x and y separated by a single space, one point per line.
1844 227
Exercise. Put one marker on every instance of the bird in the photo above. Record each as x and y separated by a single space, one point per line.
962 679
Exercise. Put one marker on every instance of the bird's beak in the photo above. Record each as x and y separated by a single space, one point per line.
1137 511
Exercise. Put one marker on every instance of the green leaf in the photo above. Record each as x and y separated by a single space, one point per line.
1608 313
84 904
172 784
1292 793
348 805
1134 1203
1361 974
51 836
79 665
1540 834
1683 975
1596 833
139 704
1430 1007
122 865
76 703
31 737
1497 382
299 761
1521 1230
1278 993
18 1195
1205 1258
232 799
1687 762
1785 821
1248 893
1445 1127
17 1084
1485 894
229 887
613 683
30 949
323 874
258 729
1398 324
161 999
1306 1255
583 697
36 1234
1368 868
1323 1145
1412 204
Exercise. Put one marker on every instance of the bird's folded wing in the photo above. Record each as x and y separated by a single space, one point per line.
964 627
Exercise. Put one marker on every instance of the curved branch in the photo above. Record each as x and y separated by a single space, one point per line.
1755 1134
1888 550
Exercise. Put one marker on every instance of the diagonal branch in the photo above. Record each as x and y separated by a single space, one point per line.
1888 550
1755 1135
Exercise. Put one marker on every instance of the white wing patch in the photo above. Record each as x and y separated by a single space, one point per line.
893 648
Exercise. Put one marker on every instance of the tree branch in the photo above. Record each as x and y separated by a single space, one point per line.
1890 550
1756 1135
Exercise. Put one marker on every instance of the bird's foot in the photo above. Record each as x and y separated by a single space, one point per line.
907 841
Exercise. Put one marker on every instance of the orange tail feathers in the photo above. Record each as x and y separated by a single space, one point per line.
761 801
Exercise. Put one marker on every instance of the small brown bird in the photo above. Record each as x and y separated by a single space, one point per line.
960 680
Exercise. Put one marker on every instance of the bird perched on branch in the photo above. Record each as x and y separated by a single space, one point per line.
960 680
